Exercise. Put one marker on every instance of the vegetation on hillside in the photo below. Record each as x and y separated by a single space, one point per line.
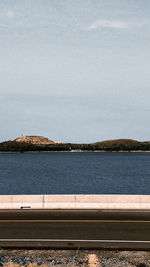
110 145
122 145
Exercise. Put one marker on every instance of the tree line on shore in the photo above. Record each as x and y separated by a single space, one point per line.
108 146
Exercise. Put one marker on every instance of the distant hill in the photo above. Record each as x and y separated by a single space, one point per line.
121 144
119 141
35 140
40 143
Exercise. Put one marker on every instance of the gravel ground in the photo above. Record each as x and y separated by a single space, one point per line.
72 258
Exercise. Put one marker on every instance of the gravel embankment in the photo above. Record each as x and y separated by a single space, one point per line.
72 258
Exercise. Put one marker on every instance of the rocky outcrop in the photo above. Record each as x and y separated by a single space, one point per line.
35 140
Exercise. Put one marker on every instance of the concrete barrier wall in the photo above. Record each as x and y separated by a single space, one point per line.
75 201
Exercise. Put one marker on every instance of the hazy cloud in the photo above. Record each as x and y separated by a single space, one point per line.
83 64
10 14
108 24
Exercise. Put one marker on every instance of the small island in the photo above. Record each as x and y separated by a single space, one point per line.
43 144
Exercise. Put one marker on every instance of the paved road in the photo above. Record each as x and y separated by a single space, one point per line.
75 228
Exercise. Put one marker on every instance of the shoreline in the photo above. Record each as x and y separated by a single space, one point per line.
74 151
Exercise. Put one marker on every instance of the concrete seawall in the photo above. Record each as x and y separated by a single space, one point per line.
75 201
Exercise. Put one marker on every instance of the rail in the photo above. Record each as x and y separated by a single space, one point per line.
74 201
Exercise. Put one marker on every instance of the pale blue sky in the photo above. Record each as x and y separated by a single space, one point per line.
75 70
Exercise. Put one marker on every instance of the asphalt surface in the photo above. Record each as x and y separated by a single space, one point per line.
75 228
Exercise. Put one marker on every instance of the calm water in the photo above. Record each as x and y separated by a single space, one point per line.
75 173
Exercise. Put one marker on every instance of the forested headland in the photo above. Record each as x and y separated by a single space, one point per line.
36 145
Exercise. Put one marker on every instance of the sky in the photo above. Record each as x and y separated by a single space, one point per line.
75 70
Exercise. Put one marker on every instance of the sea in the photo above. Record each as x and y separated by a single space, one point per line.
75 173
